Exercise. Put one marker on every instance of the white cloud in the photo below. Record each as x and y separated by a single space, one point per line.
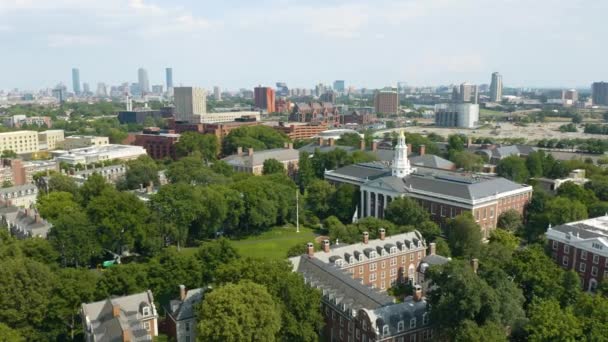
69 40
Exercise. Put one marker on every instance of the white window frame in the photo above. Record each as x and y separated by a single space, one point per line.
393 261
373 266
566 248
145 311
596 259
555 245
146 325
583 255
400 326
413 323
582 267
425 318
565 260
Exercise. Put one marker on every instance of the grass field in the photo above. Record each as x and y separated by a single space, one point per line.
272 244
488 112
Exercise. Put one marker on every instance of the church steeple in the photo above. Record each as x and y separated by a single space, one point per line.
401 164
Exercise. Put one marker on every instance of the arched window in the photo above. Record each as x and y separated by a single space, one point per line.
385 330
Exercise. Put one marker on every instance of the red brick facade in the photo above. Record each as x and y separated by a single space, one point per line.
159 146
591 267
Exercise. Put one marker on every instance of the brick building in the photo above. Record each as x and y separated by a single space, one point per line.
582 246
386 102
316 112
221 130
444 194
181 319
253 162
353 279
358 118
264 98
298 130
158 145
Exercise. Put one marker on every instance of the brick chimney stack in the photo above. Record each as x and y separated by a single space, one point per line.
321 142
331 141
382 233
365 237
182 292
409 149
362 145
115 310
326 246
310 249
374 146
422 150
239 151
250 151
432 248
417 293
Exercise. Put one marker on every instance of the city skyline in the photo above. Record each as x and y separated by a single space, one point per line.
525 51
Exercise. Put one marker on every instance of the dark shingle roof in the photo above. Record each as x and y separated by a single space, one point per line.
430 160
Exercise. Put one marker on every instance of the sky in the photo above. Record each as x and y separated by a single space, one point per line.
242 43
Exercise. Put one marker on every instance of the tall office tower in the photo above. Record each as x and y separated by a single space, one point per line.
217 93
169 78
282 89
386 102
102 90
76 81
190 104
157 89
142 79
339 86
496 87
599 93
468 93
264 98
85 88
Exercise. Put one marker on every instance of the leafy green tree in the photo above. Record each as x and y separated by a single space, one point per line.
471 332
561 210
73 237
7 154
193 170
120 218
576 192
222 168
456 142
442 247
536 274
319 195
142 171
549 322
513 168
306 173
343 202
59 182
123 280
238 312
598 209
405 211
467 161
592 313
272 166
599 186
299 303
259 137
505 238
213 254
350 139
205 144
25 291
9 335
7 184
510 220
535 162
51 206
464 236
92 187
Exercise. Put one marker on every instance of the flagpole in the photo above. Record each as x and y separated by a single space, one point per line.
297 210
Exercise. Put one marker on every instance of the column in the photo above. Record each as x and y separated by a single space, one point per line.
361 204
367 204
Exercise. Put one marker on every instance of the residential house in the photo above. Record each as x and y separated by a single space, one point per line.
181 315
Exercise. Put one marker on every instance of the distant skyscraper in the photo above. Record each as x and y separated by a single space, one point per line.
264 98
85 88
157 89
468 93
190 104
496 87
599 93
144 82
76 81
169 78
386 102
102 90
217 93
282 89
339 86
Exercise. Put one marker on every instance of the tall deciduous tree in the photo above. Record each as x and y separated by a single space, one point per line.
191 142
73 236
405 211
513 168
510 220
318 198
272 166
464 236
549 322
142 171
239 312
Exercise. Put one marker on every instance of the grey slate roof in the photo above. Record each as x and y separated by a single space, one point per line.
502 152
312 147
433 161
391 315
586 229
107 328
258 158
363 171
185 309
467 186
339 286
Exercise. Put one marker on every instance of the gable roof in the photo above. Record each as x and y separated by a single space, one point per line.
258 158
185 309
430 160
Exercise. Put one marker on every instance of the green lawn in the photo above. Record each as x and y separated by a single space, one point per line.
489 112
272 244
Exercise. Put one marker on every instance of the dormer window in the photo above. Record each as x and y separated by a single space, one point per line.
400 326
385 330
351 260
145 311
393 250
339 262
372 255
360 257
425 319
412 323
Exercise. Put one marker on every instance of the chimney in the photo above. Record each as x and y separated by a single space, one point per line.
474 264
326 246
149 188
37 218
374 146
382 233
321 142
362 145
331 141
115 310
365 237
285 145
126 336
409 149
310 249
250 151
432 248
290 146
239 151
422 150
182 292
417 293
469 141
